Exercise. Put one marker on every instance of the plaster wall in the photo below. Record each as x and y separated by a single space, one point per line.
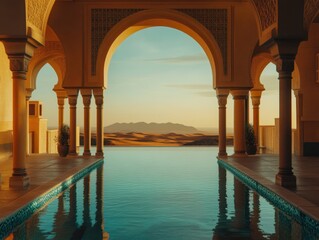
307 60
245 38
5 105
66 20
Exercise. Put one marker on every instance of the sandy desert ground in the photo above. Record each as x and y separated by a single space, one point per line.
170 139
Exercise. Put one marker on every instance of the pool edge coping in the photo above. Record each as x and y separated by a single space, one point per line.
297 207
10 221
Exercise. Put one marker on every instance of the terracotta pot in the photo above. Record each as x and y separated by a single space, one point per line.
63 150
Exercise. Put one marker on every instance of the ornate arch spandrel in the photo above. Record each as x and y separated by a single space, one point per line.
158 17
37 14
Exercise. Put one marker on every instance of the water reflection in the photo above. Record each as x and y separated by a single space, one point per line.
80 213
245 222
70 220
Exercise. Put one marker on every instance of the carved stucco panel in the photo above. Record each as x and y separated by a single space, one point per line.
215 20
267 12
310 10
36 11
102 20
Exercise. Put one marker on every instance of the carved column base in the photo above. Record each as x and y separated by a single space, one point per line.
87 153
222 154
99 154
287 181
19 181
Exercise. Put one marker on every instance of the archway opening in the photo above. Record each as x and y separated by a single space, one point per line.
269 110
43 116
158 77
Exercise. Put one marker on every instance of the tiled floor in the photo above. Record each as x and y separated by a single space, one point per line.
263 169
45 171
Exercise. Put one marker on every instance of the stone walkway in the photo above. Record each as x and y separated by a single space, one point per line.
263 169
45 171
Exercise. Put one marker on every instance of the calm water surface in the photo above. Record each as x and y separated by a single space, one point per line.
155 193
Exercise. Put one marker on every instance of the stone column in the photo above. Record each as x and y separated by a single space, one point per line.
239 121
72 96
61 112
18 66
255 99
98 95
222 95
28 96
86 95
285 67
61 96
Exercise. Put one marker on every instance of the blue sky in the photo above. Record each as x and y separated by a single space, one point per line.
159 74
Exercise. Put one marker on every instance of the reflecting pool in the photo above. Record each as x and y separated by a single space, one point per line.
155 193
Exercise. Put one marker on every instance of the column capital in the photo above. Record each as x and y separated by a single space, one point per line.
28 93
72 96
255 97
86 91
98 95
239 93
222 92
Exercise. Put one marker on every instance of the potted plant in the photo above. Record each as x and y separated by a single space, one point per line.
63 140
251 144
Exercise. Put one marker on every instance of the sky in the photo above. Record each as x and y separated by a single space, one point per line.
159 74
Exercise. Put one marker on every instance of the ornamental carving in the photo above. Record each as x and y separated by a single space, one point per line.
267 12
49 46
310 10
19 63
215 20
102 20
222 100
36 12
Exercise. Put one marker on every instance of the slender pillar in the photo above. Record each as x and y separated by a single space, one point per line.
239 121
60 112
285 176
98 95
72 96
28 96
18 65
255 99
86 95
222 95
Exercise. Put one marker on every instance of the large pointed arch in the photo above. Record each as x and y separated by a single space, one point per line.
155 17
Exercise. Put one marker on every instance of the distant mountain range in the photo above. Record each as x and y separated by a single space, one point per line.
155 128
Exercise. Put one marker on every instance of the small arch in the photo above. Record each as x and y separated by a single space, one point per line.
150 18
51 53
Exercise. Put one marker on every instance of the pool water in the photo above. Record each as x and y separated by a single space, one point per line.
155 193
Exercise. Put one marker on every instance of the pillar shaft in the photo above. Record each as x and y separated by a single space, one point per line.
86 95
255 99
18 66
240 97
98 95
222 139
285 176
60 112
72 96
